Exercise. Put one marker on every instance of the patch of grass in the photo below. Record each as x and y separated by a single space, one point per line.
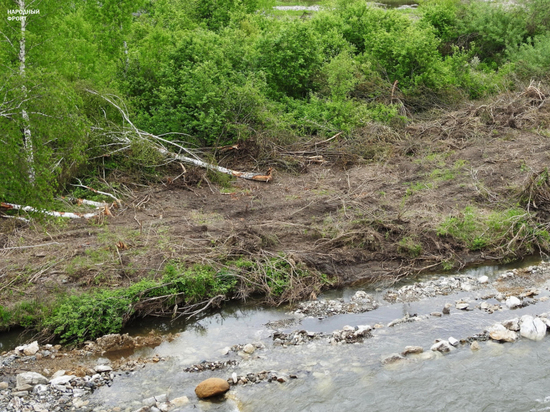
508 231
410 246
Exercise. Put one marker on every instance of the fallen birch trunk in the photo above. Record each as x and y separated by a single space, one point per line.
69 215
159 144
258 177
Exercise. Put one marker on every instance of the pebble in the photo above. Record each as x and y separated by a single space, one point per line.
441 346
512 302
412 350
393 358
453 342
475 345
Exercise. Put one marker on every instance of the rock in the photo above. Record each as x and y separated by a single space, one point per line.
483 279
532 328
29 349
58 374
500 333
27 380
461 305
475 345
62 380
234 377
103 368
512 302
441 346
436 314
149 401
453 341
412 350
181 401
40 388
4 385
394 357
211 387
249 348
511 324
161 398
447 309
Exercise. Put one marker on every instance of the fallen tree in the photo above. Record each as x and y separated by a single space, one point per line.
121 139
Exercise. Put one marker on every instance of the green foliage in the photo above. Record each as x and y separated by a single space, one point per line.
532 60
290 56
410 246
90 315
478 231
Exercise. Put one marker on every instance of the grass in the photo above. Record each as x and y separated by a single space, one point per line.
507 231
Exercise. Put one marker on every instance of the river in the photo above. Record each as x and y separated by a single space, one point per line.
498 377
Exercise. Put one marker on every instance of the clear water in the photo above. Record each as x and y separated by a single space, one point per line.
498 377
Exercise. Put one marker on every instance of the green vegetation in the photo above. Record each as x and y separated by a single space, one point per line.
511 229
216 72
92 314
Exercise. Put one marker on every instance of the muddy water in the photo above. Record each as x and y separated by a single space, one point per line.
511 377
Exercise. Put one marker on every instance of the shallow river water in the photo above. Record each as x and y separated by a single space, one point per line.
498 377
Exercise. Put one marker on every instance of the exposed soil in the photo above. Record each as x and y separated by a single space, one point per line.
355 219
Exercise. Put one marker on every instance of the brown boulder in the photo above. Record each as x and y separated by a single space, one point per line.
211 387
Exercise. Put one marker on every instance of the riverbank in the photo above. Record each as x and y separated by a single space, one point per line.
467 313
440 194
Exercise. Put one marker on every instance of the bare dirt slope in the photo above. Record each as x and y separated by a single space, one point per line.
356 219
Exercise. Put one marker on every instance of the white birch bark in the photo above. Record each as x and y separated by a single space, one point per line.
27 137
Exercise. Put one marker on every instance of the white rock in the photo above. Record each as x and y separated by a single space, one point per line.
103 368
58 374
483 279
348 328
453 341
78 392
234 377
532 328
149 401
62 380
511 324
226 350
512 302
4 385
41 388
500 333
29 349
181 401
249 348
441 346
161 398
462 305
164 406
475 345
29 379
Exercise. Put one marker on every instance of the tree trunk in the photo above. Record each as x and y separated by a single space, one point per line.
27 138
